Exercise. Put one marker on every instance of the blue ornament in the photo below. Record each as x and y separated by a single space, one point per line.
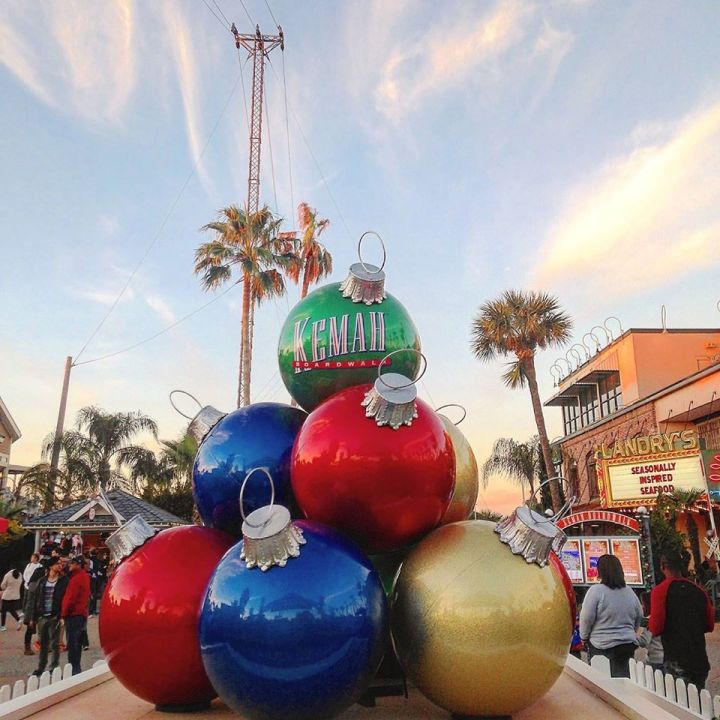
299 641
258 435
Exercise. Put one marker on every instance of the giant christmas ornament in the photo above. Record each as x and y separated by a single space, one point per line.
465 494
293 621
480 630
258 435
151 607
336 337
384 487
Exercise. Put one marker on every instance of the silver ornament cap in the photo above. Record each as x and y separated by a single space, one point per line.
204 422
128 538
531 535
391 401
365 283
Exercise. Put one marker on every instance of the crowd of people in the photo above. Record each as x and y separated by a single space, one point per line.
52 598
671 626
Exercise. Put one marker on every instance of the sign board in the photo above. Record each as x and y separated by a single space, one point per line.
711 460
592 549
628 475
580 555
571 558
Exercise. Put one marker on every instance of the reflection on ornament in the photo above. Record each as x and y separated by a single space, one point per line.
149 620
329 343
299 641
467 487
477 629
385 488
258 435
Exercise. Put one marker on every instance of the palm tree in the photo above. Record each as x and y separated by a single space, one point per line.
316 260
518 461
519 323
249 244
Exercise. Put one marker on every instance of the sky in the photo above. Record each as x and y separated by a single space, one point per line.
571 146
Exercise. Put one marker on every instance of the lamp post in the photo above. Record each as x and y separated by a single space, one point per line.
642 511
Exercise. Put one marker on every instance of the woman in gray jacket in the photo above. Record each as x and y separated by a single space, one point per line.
610 617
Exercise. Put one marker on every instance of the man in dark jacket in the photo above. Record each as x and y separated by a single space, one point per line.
48 604
681 612
75 610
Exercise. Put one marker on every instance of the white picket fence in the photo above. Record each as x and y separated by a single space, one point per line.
22 688
675 691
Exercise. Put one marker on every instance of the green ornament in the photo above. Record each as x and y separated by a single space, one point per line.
329 343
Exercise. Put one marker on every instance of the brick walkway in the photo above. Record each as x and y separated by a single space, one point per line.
15 665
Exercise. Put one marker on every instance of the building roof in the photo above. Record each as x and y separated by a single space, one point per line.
7 420
645 401
103 511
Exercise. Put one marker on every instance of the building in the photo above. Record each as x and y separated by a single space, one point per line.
640 417
9 433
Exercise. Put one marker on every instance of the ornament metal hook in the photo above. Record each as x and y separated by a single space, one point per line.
412 382
447 405
242 492
563 510
175 407
382 244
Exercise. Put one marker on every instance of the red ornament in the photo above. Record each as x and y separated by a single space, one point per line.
385 488
557 566
150 614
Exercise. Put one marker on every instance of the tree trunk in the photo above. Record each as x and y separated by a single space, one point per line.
104 474
692 531
244 333
529 369
305 281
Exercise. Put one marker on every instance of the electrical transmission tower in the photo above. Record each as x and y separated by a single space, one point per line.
259 47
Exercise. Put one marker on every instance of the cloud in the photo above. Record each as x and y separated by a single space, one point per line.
74 56
161 308
446 56
103 297
647 217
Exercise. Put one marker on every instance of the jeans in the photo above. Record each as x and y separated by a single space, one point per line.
48 629
619 657
74 627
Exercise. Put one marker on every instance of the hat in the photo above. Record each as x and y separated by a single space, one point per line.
79 559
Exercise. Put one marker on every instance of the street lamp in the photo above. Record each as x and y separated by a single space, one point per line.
642 511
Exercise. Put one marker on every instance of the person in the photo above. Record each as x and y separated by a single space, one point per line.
48 603
92 569
30 568
10 587
611 617
652 643
682 613
29 602
74 611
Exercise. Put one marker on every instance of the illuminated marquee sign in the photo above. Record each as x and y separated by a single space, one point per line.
634 472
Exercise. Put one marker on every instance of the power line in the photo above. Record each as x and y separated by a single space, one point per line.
227 27
269 137
219 9
271 13
249 17
317 164
287 135
155 238
157 334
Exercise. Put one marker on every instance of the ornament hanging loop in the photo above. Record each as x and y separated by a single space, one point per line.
566 506
375 271
405 385
242 492
448 405
177 409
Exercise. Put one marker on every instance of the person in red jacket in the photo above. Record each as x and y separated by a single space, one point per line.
681 613
74 611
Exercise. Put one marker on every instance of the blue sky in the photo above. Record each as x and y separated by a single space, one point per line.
571 146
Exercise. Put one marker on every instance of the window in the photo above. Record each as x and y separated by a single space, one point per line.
610 394
571 418
591 474
589 405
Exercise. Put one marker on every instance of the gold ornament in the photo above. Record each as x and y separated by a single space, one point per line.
464 496
477 629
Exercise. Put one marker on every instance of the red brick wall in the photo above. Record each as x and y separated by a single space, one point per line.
578 449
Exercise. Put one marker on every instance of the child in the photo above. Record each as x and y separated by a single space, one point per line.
653 644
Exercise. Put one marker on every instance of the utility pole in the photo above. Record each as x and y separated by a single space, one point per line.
55 458
259 47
